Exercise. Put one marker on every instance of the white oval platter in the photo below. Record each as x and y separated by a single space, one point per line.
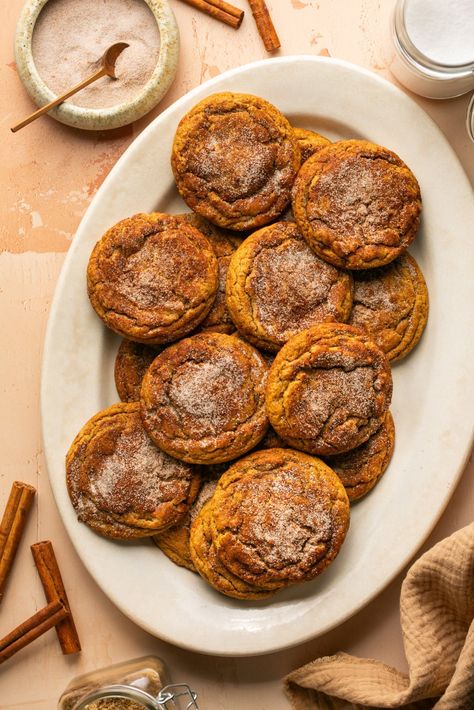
432 387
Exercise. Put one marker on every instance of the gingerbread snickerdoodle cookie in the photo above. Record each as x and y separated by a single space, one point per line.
174 542
152 278
203 399
120 483
235 158
209 566
224 244
131 363
357 204
277 286
278 517
361 468
310 142
391 305
328 389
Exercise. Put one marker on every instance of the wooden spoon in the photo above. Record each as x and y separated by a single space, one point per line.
107 68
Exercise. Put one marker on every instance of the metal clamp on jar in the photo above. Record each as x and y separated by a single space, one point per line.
140 684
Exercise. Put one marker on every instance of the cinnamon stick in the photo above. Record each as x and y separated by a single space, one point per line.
227 7
264 25
48 570
12 526
220 10
32 628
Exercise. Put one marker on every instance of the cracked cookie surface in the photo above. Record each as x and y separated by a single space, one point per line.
131 363
235 158
391 305
277 287
203 399
120 483
361 468
208 565
278 517
152 278
328 389
357 204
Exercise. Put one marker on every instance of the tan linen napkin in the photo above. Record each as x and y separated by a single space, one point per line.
436 612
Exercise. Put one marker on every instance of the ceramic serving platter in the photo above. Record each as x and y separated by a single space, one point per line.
432 387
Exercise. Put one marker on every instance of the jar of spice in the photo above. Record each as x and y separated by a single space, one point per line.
139 684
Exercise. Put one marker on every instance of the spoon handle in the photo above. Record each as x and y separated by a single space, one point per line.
44 109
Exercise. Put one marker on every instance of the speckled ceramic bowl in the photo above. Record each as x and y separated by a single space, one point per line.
97 118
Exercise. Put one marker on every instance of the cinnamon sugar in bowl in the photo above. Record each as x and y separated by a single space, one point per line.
59 42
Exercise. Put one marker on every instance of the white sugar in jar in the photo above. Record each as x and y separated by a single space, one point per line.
434 46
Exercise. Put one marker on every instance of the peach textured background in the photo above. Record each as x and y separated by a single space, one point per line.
49 174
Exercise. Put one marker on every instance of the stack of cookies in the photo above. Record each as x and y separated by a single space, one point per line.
254 369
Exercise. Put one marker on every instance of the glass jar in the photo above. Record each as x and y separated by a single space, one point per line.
434 54
139 684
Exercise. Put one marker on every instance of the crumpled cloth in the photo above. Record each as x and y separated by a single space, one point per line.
436 613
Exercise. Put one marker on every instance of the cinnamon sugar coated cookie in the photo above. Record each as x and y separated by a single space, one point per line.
209 566
203 399
357 204
310 142
276 287
120 483
361 468
328 389
235 158
224 244
278 517
152 278
131 363
391 305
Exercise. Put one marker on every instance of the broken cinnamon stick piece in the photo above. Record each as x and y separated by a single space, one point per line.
265 25
31 629
48 570
226 7
220 10
12 526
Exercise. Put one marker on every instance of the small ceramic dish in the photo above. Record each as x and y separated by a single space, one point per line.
100 118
